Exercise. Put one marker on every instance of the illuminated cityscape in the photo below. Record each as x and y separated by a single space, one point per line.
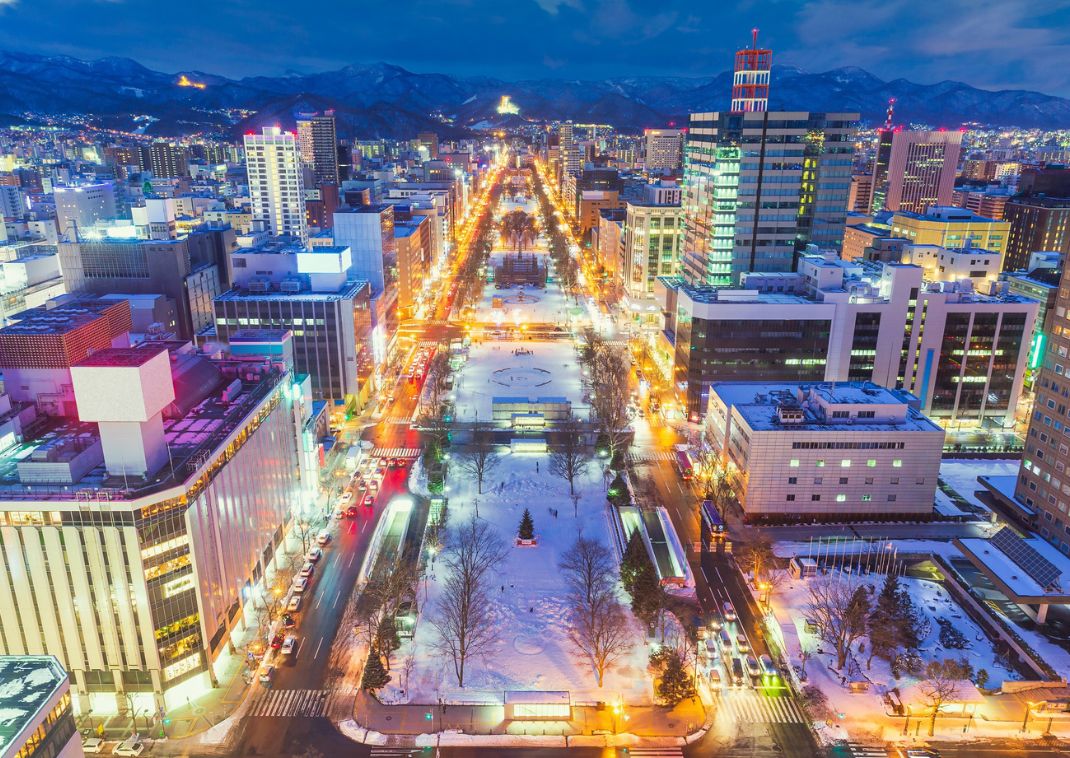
593 379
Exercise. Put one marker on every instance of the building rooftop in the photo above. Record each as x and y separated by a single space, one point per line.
349 289
28 684
119 357
759 404
61 319
948 213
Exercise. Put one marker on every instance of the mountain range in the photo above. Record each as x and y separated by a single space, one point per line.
384 100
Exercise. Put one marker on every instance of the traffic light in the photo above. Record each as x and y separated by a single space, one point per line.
427 716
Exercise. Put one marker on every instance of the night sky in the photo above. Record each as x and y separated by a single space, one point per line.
987 43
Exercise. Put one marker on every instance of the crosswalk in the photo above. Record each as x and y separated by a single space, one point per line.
399 420
866 751
657 752
395 752
281 703
748 706
649 456
396 452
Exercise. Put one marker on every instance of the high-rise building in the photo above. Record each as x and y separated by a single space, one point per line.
12 202
167 161
921 169
429 140
83 205
276 184
1036 223
963 354
759 186
317 138
951 227
154 517
571 157
878 186
37 699
653 239
664 150
190 270
988 202
750 78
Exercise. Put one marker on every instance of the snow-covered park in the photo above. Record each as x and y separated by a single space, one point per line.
530 606
516 369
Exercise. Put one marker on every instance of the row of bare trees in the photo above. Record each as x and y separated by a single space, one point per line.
608 366
519 228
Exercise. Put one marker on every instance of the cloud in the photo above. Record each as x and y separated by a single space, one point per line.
7 3
553 6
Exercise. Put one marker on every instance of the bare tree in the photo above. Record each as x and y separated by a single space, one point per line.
481 457
942 684
569 457
715 478
840 610
379 603
609 367
756 557
463 615
599 625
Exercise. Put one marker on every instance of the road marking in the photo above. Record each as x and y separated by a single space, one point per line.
336 596
363 525
351 557
317 653
317 603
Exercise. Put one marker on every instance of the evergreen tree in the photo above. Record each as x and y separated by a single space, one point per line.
618 491
675 685
386 637
634 555
648 598
527 526
375 676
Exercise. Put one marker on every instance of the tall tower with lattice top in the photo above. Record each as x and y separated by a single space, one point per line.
750 81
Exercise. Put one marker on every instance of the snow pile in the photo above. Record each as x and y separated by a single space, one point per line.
961 475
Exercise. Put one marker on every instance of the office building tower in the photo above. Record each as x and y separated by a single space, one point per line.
317 138
653 240
750 78
83 205
412 242
37 700
313 294
154 518
1042 485
191 270
961 353
571 156
1036 223
607 242
825 451
368 231
429 141
664 150
759 186
167 161
921 169
276 184
30 276
878 185
988 202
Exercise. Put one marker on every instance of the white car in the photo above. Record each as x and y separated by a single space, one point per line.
294 604
300 584
313 555
324 537
347 496
729 612
130 746
266 673
93 745
308 568
289 645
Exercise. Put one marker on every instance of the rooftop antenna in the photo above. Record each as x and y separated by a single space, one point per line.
754 37
891 111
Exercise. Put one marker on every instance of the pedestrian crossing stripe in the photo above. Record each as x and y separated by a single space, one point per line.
281 703
396 452
750 707
866 751
657 752
398 420
652 455
394 751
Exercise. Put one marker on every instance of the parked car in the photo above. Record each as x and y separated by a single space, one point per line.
313 555
347 496
130 746
351 511
266 673
729 612
289 645
93 745
300 584
308 568
294 604
276 641
323 538
288 620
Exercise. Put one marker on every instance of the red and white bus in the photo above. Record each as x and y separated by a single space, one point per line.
684 465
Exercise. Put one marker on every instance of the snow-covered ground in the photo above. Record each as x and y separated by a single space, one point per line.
530 609
523 305
862 712
496 369
961 475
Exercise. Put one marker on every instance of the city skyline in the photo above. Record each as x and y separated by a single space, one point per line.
1000 47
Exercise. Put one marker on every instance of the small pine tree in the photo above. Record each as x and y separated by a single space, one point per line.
375 676
527 526
618 491
386 637
648 598
633 557
676 685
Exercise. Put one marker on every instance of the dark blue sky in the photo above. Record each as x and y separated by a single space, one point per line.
987 43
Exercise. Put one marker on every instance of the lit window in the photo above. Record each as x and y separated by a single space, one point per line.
867 498
872 462
897 463
845 463
794 463
841 498
821 463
